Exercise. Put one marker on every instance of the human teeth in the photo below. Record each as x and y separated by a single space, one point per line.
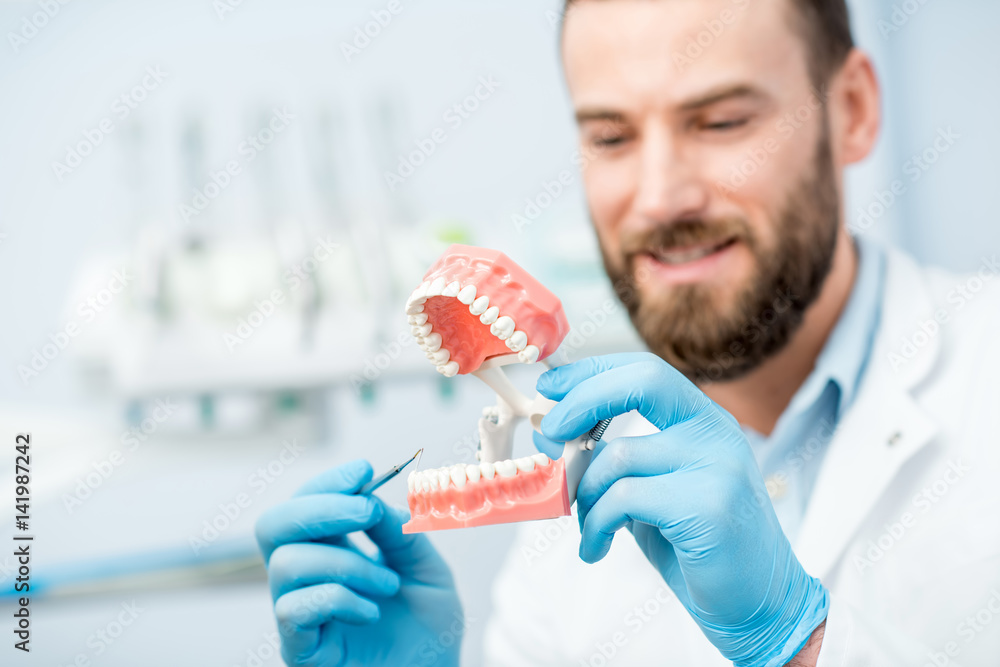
684 256
421 331
432 343
506 468
418 319
441 357
450 369
436 287
452 289
517 341
503 328
480 305
540 459
473 472
528 355
443 477
467 295
525 464
458 477
488 469
490 316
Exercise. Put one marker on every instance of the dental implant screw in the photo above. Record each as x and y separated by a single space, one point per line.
597 432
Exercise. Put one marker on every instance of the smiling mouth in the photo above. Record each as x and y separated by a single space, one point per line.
689 254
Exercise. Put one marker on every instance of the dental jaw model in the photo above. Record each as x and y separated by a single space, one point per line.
476 312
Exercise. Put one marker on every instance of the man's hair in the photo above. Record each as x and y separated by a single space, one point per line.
825 27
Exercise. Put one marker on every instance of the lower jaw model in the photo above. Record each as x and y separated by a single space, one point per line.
475 312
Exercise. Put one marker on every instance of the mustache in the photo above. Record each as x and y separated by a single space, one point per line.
685 233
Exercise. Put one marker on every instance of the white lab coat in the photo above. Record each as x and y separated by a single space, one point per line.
903 525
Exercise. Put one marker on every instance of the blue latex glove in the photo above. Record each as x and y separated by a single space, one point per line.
336 606
694 499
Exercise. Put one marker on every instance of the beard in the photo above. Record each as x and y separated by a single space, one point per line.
691 328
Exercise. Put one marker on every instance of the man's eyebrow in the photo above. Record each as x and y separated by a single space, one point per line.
585 114
722 94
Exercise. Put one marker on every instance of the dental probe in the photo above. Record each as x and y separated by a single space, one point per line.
371 486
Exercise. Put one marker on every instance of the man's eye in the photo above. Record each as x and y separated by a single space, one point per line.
607 141
722 126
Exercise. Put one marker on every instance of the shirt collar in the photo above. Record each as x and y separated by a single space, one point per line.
845 355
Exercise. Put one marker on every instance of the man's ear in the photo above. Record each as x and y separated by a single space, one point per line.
855 104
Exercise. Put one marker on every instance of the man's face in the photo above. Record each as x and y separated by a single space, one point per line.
708 172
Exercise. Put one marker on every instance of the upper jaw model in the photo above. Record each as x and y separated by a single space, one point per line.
475 312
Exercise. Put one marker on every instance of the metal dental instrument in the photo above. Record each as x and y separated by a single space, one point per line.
597 432
371 486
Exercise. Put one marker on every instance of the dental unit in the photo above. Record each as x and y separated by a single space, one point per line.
475 312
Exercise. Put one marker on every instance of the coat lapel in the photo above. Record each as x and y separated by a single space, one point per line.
881 431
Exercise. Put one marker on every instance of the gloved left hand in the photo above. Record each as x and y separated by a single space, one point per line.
694 499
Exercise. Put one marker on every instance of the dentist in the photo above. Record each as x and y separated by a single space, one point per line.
813 472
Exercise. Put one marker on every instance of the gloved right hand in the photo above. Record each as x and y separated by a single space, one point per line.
336 606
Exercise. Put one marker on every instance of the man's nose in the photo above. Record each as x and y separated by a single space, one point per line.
669 184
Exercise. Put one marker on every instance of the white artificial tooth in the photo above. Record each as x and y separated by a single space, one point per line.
540 459
421 331
415 307
432 343
440 369
503 327
528 355
467 295
480 305
517 341
452 289
506 468
473 472
441 357
421 292
525 464
418 319
490 316
488 469
458 477
436 287
425 482
450 369
411 481
444 477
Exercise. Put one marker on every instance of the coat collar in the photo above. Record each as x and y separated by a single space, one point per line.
883 428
